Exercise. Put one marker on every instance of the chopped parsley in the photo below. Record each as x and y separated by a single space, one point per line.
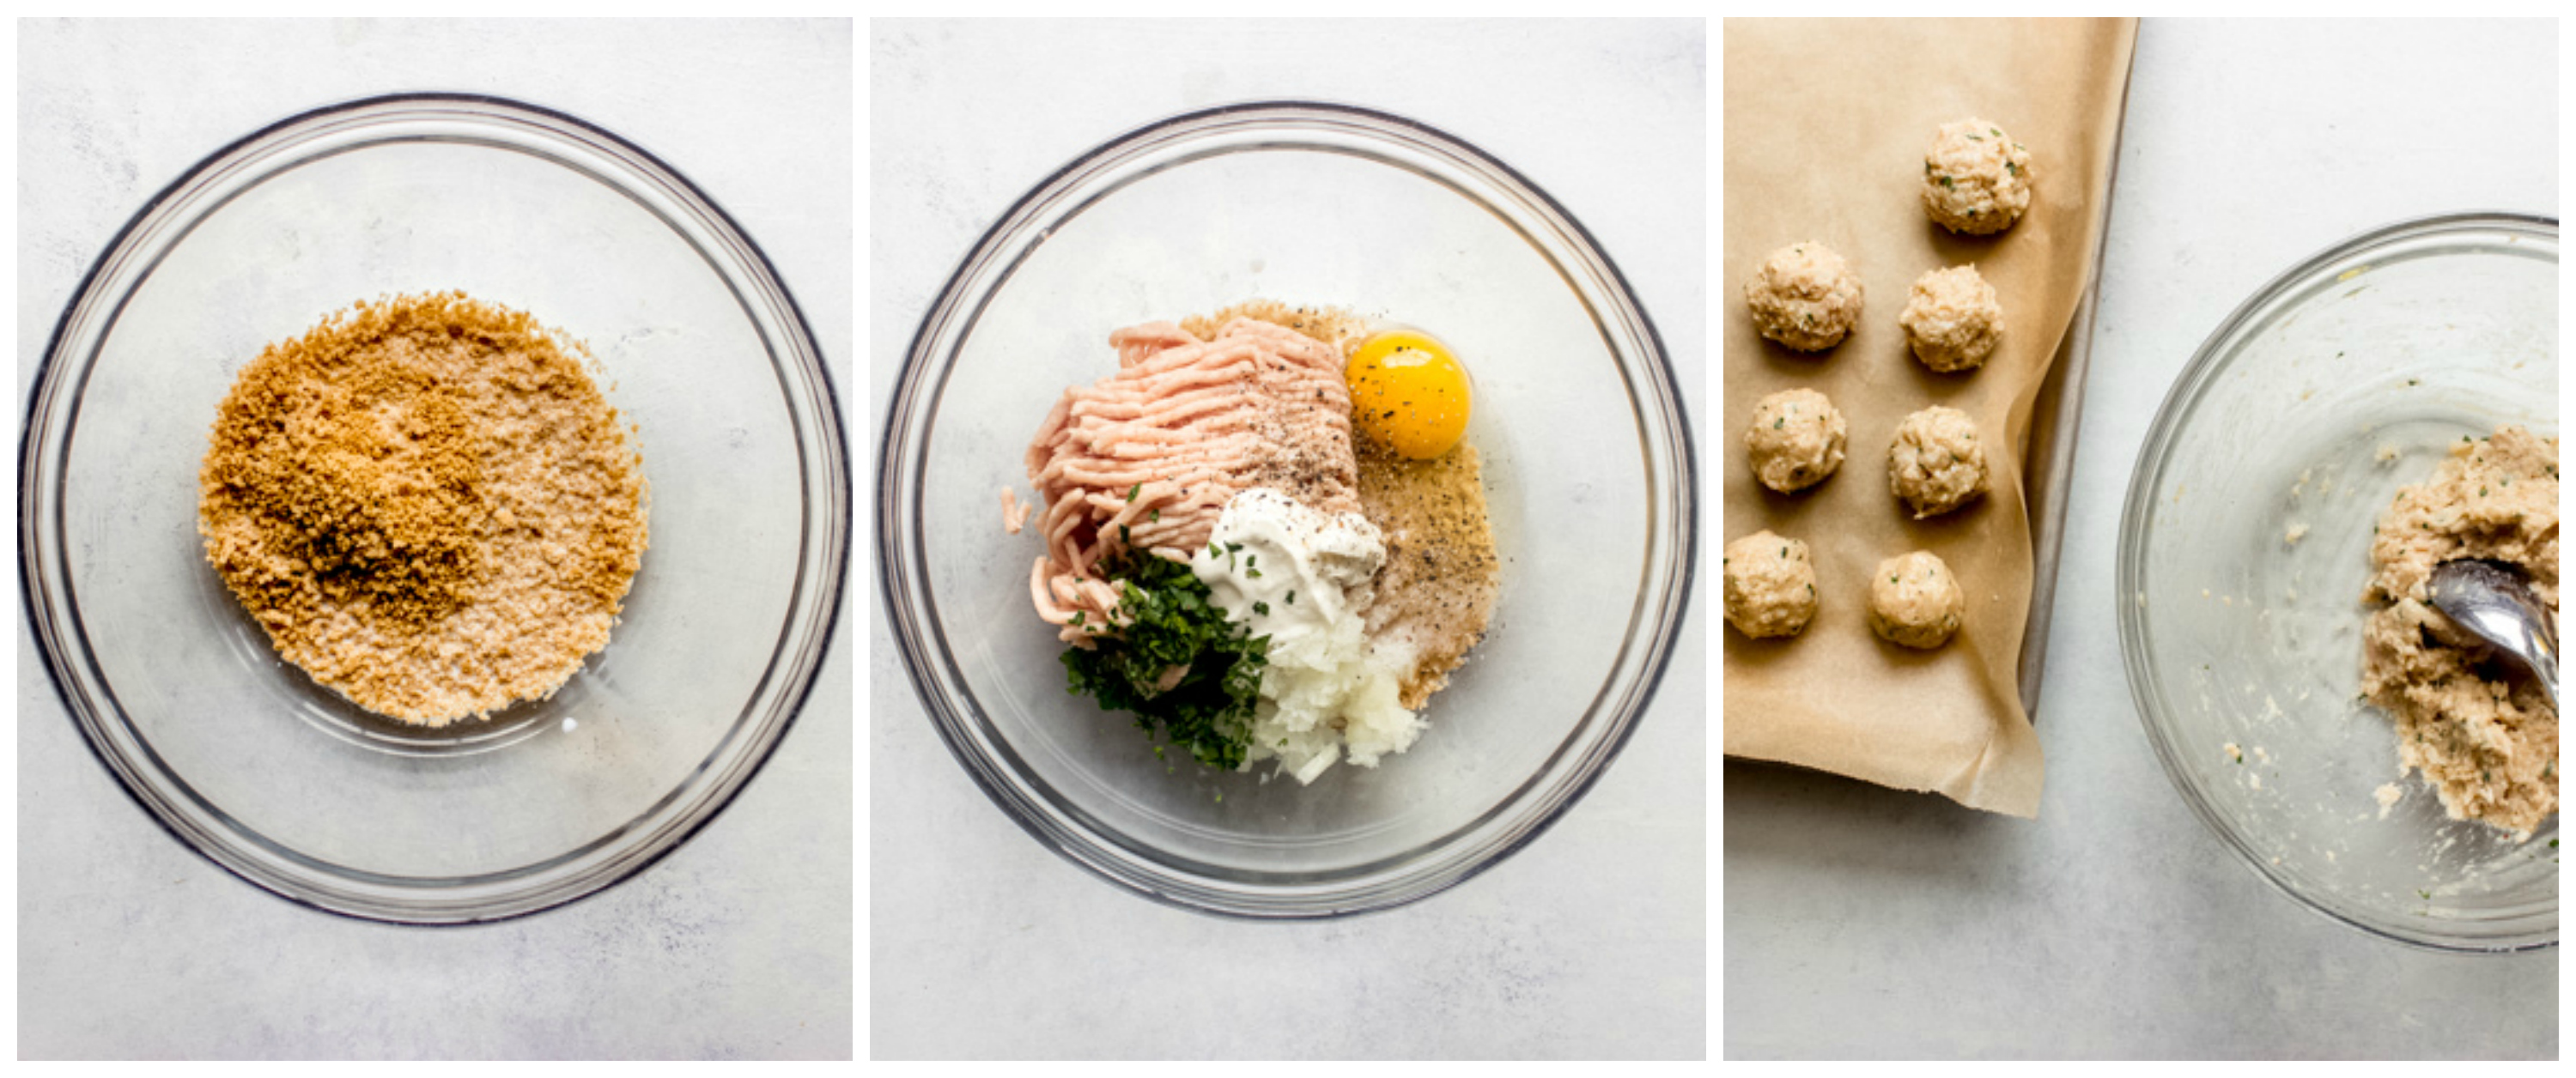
1167 621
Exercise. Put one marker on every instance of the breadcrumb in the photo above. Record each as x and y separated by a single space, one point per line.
427 505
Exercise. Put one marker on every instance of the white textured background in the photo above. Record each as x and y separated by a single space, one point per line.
1862 922
739 944
1588 943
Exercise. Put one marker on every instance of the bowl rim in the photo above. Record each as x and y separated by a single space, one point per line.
1112 856
2203 369
817 620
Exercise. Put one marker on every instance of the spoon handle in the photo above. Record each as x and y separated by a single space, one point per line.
2544 661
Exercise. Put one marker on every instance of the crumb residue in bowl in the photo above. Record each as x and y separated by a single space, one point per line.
427 505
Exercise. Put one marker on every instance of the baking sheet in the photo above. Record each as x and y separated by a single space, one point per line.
1826 124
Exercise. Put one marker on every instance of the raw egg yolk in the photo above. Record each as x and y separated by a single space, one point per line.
1408 393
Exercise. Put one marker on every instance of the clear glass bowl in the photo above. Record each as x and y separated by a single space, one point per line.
2404 339
697 344
1587 463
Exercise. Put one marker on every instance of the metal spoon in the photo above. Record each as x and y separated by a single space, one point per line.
2492 601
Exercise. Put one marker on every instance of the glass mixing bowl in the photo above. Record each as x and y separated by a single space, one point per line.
2345 378
696 343
1588 471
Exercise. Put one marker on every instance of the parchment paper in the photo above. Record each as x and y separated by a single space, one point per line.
1826 125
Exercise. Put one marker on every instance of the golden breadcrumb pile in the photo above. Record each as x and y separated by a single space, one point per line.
427 504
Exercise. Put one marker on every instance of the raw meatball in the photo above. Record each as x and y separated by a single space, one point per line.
1976 179
1770 586
1915 601
1796 439
1952 319
1936 463
1805 296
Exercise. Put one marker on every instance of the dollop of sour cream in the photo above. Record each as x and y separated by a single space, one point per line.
1284 569
1301 577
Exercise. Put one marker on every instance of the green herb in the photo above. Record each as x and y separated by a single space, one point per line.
1945 182
1131 491
1292 598
1776 424
1976 138
1166 621
1154 515
1996 132
1252 574
1262 609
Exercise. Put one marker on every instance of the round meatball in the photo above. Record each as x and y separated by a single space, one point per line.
1796 439
1804 296
1952 319
1915 601
1936 463
1770 586
1976 179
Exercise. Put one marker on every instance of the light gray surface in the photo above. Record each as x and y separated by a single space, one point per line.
1864 922
738 944
1588 943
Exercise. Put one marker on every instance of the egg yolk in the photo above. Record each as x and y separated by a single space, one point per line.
1408 394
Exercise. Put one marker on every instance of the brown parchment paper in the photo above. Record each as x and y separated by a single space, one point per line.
1826 125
